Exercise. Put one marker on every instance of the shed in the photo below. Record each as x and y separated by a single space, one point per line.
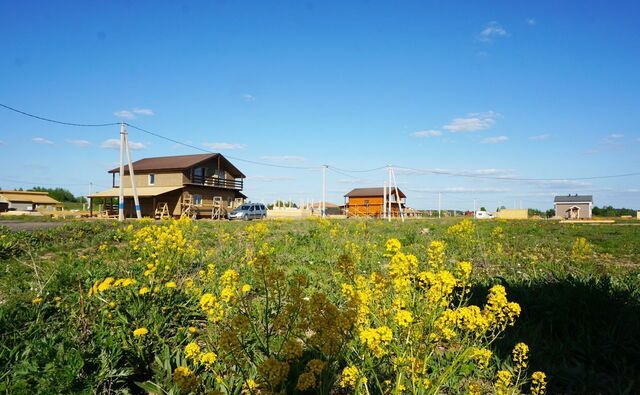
369 202
28 200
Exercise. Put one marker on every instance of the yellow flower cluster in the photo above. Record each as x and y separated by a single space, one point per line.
581 248
481 356
140 332
309 379
392 247
402 268
501 313
538 383
350 377
376 338
435 254
521 356
185 378
210 305
165 243
463 229
437 287
503 382
110 282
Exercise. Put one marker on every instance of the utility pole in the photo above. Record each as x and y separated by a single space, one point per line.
121 188
132 176
439 204
474 206
389 211
384 199
324 191
398 199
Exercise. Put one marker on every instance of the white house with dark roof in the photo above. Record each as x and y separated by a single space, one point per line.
573 206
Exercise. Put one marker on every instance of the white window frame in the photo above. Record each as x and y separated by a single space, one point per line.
151 175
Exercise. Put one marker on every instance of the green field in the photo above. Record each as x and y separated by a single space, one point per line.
578 287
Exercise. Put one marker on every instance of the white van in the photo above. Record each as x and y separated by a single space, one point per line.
483 215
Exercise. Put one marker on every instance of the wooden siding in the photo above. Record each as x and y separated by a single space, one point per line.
161 179
562 208
369 206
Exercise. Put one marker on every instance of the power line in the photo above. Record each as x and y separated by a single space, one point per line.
423 171
454 174
37 183
56 121
227 156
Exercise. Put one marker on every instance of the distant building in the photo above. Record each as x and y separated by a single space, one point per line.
369 202
573 206
27 201
513 213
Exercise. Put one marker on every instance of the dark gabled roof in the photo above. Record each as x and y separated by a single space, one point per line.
573 199
364 192
179 162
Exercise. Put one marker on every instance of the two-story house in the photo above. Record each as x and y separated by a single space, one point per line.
369 202
176 185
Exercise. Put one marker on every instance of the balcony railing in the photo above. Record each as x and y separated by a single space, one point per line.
212 181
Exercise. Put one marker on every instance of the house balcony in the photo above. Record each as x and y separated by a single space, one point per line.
212 181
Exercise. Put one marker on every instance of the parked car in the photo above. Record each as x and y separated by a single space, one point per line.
248 212
483 215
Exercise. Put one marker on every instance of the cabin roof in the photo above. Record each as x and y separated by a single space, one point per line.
573 199
179 162
377 191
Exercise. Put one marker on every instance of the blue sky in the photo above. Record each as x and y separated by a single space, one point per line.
497 88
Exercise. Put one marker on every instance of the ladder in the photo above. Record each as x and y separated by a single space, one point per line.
186 205
216 210
162 211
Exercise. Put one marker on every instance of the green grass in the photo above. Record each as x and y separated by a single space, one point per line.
581 316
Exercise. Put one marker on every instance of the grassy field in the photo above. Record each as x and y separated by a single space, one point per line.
297 289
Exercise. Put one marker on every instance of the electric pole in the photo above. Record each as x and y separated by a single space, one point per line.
324 191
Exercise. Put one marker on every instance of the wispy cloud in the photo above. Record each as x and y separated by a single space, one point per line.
270 178
462 190
115 144
131 114
224 146
497 173
494 140
473 122
540 137
79 143
531 22
124 114
41 140
284 158
143 111
559 184
427 133
491 31
248 97
2 143
611 142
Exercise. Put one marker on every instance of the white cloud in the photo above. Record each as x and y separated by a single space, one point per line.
473 122
615 136
143 111
461 190
131 114
531 22
569 184
494 140
224 146
248 97
41 140
491 31
612 142
124 114
79 143
2 143
497 173
427 133
115 144
540 137
270 178
284 158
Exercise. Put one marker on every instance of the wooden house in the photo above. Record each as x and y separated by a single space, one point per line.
369 202
203 185
573 206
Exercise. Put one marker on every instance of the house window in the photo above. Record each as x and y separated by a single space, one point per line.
152 179
197 200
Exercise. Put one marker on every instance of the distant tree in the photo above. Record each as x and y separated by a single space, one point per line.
550 213
282 203
533 212
483 209
60 194
610 211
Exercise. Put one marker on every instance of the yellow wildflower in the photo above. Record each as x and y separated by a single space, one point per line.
403 318
350 377
305 381
37 300
170 284
208 358
520 355
191 350
538 383
140 332
143 291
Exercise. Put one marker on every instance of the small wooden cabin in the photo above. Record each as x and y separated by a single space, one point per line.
369 202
